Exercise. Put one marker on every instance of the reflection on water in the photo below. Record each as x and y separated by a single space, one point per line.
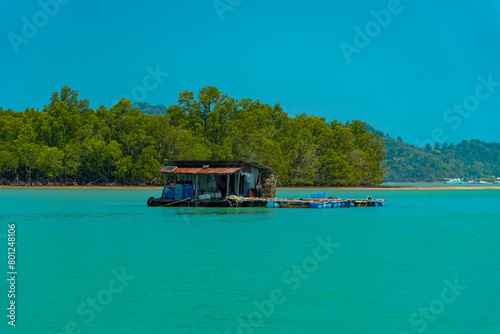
255 211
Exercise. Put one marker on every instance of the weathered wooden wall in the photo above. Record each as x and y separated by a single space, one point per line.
269 185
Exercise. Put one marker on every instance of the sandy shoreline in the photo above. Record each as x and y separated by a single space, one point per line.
278 188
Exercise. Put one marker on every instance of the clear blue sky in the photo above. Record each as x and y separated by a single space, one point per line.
413 68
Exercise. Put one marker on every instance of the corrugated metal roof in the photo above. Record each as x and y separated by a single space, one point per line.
197 170
222 163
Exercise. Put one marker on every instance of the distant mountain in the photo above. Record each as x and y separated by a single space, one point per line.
149 109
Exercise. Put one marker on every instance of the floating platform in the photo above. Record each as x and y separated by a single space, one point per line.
238 202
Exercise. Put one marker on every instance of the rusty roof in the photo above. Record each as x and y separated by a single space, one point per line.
220 163
198 170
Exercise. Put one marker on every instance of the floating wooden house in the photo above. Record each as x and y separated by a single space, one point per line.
236 183
213 182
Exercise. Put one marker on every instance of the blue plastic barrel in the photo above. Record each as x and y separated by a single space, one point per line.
377 204
382 204
271 204
313 205
179 192
328 205
188 191
170 193
352 204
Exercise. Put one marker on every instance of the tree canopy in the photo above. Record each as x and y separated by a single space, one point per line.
70 143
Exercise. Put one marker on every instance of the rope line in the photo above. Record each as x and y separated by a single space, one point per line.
185 199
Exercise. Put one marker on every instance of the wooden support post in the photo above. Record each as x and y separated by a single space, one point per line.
227 186
196 186
237 184
163 194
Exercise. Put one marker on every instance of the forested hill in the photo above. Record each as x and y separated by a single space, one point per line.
472 160
70 143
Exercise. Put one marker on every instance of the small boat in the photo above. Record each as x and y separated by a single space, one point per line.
454 181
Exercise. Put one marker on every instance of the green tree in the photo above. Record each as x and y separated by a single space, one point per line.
50 161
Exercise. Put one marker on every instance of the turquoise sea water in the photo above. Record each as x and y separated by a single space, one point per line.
101 261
